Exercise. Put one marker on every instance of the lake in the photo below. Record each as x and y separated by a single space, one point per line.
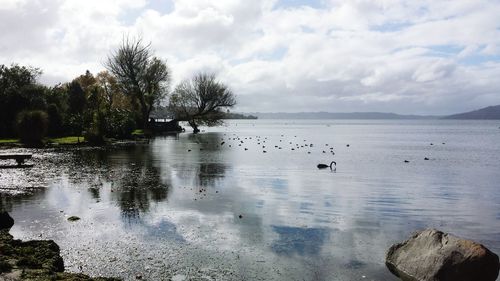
185 207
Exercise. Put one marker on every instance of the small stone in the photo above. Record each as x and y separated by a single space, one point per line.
73 218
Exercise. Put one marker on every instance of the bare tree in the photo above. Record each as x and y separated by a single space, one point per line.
200 101
141 75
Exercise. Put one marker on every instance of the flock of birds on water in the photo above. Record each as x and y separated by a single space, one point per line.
261 141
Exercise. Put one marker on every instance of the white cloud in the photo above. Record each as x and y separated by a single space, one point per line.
363 55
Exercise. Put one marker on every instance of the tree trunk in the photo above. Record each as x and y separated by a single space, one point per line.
194 126
145 119
144 112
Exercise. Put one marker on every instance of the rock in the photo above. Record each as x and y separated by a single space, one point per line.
35 260
6 221
431 255
73 218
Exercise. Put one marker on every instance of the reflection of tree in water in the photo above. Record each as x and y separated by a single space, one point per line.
207 141
208 173
135 181
137 187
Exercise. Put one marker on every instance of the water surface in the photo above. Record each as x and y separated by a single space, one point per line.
186 207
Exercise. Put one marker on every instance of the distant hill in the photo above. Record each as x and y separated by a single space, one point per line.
231 115
487 113
330 115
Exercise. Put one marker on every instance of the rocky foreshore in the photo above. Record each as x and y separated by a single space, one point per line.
432 255
33 260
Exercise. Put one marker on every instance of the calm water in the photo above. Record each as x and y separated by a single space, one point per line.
226 213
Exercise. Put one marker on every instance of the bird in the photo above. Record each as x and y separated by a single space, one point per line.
323 166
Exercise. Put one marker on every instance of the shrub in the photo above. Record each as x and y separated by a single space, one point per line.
32 127
120 124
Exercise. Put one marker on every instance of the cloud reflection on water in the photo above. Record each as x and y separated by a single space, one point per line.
294 218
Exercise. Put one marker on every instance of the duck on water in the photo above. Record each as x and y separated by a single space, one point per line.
323 166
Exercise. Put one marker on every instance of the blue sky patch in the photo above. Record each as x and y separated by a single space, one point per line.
391 26
317 4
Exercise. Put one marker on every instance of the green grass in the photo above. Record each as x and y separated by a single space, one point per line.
8 141
67 140
138 132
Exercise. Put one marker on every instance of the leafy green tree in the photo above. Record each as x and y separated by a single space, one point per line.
57 110
56 125
201 101
77 100
77 103
18 91
140 75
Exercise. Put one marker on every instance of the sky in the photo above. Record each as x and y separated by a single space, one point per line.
407 57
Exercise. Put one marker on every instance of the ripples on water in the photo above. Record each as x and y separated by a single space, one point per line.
165 212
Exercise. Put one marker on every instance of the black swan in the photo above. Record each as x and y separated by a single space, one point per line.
323 166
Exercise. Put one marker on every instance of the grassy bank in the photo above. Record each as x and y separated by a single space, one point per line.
71 140
67 140
61 141
8 141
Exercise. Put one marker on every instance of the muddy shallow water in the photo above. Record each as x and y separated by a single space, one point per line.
185 207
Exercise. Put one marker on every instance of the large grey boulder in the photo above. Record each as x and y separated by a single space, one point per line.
431 255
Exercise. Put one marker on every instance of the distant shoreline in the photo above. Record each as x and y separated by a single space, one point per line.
487 113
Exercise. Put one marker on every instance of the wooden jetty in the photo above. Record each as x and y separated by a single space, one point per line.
20 158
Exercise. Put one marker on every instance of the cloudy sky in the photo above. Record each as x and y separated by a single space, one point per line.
421 57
